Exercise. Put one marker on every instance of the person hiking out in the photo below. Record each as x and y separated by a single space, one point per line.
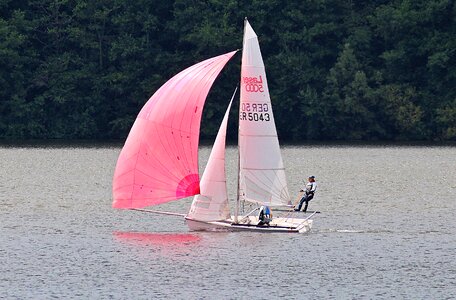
309 192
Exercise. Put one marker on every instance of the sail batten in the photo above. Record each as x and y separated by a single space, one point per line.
161 151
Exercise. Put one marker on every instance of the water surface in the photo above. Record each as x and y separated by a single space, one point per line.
387 229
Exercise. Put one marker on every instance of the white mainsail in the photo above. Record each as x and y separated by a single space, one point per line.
212 203
261 176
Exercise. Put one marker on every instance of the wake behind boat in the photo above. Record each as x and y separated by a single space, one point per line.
159 161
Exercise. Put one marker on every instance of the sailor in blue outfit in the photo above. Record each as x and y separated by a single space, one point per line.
309 192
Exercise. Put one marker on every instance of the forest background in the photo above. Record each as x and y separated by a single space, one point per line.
337 70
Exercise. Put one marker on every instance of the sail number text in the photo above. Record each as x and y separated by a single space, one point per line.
254 112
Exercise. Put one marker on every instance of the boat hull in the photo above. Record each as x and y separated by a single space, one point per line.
285 225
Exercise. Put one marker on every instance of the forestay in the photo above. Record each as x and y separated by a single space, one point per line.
159 161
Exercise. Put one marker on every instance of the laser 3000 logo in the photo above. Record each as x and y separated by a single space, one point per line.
253 84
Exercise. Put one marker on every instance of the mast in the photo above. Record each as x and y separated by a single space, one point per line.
236 207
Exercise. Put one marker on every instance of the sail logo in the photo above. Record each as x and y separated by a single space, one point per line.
253 84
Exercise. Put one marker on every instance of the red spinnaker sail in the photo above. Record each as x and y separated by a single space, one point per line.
159 161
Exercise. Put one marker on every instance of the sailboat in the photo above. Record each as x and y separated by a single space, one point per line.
159 161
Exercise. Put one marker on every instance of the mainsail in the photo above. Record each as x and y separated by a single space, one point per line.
261 175
159 161
212 203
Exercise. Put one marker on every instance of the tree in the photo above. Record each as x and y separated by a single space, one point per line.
348 106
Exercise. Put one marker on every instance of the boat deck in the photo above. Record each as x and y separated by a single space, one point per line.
251 223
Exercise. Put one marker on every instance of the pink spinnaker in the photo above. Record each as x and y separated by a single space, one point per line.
159 161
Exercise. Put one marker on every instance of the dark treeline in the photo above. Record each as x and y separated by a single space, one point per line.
337 70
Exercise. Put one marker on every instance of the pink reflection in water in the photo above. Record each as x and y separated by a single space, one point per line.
167 244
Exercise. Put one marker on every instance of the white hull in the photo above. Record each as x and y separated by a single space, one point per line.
295 225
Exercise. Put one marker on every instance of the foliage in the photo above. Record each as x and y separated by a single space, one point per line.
344 70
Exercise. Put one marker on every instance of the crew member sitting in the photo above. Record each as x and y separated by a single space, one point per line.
265 216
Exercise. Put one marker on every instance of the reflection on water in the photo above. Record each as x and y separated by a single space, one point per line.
170 240
167 244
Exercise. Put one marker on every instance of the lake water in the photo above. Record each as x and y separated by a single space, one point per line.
387 229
